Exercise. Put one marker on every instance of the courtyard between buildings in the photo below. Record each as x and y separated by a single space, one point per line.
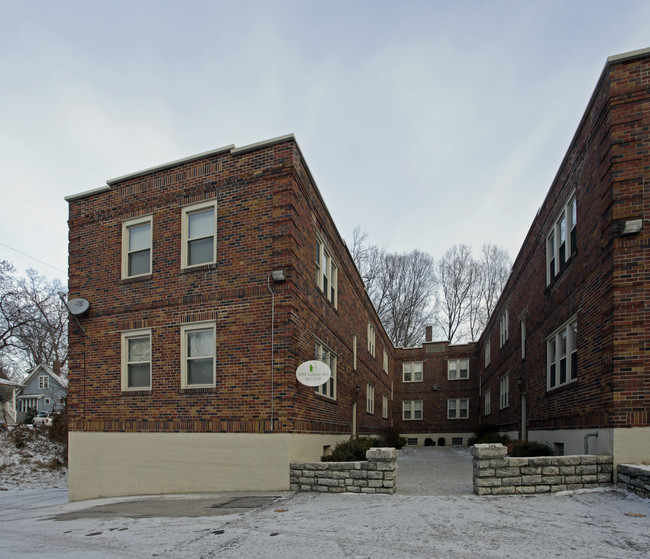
433 514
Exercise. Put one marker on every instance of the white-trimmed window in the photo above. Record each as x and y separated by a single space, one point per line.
327 356
385 361
503 328
458 408
458 369
488 404
562 355
486 352
411 410
326 272
198 355
412 372
199 245
523 338
384 406
371 339
370 398
354 352
504 391
44 382
136 247
136 360
561 239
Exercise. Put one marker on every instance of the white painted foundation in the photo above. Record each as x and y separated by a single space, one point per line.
120 464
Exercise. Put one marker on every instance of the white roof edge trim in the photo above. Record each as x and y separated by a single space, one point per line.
170 164
628 55
87 193
263 143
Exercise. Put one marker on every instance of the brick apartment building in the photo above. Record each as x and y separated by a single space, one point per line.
210 279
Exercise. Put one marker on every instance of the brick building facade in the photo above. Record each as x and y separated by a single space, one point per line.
210 279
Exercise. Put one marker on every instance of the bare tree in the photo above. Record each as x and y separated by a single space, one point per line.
457 275
33 321
495 270
400 287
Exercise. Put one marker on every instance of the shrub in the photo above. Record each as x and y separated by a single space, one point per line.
487 433
20 434
350 451
531 448
390 437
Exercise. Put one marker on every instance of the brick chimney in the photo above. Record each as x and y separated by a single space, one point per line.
428 334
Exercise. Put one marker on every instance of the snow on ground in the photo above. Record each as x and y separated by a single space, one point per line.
593 524
37 465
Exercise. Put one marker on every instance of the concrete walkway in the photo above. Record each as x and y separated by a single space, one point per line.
434 470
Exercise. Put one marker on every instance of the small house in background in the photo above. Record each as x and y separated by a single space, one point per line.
8 390
42 390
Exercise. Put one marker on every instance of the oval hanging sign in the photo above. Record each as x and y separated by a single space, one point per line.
313 373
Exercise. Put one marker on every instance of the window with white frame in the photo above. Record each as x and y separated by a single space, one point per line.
44 382
354 352
411 410
523 338
458 369
562 355
199 245
370 398
384 406
326 272
486 352
136 247
371 339
561 239
198 355
488 405
412 372
136 360
327 356
503 328
385 361
25 404
458 408
504 391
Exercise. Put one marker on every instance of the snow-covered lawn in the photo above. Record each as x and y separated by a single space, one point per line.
37 465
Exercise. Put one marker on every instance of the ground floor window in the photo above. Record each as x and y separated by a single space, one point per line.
412 409
458 408
562 355
370 398
327 356
504 391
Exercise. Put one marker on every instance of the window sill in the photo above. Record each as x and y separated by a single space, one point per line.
198 390
327 399
199 268
136 279
561 386
136 392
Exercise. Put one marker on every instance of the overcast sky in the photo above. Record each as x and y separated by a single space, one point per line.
427 123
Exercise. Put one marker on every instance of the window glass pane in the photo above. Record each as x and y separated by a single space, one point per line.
199 371
140 237
200 251
139 263
138 375
139 350
200 343
201 224
464 367
563 344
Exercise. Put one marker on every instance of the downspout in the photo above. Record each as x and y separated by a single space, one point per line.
587 441
268 286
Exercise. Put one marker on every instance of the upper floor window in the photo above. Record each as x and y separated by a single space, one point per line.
504 391
486 352
136 360
412 372
385 361
503 328
327 356
44 382
371 339
562 355
370 398
384 406
457 369
199 234
326 272
488 404
458 408
354 352
198 355
412 409
561 239
136 247
523 338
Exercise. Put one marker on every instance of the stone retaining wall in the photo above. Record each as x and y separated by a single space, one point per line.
498 474
377 475
635 479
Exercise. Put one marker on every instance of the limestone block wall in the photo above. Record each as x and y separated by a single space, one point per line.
376 475
635 479
498 474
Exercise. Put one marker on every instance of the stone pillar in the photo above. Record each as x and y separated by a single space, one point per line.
487 458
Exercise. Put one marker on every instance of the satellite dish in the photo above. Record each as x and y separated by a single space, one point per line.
78 306
313 373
